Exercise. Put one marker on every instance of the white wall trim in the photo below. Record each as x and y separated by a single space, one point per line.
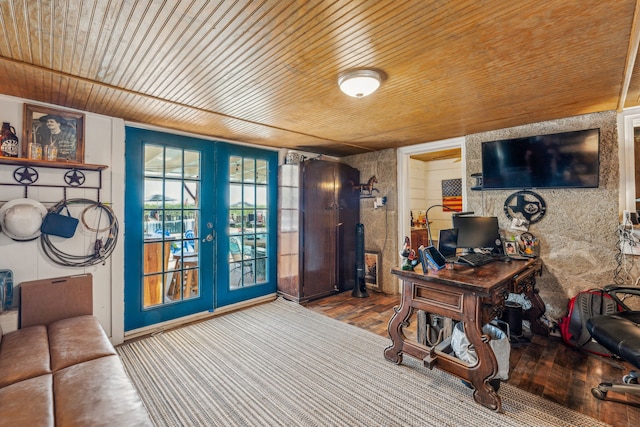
627 194
117 260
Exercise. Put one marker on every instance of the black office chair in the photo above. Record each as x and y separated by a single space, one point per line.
620 334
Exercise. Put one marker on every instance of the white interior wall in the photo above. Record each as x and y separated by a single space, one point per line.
437 171
417 193
425 182
104 144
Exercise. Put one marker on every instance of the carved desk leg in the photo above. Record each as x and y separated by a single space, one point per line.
399 319
487 366
538 308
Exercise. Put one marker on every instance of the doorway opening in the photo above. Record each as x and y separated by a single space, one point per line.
421 170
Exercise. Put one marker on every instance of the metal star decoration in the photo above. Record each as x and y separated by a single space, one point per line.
25 175
74 178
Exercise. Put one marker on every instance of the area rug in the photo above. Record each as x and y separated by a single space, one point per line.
280 364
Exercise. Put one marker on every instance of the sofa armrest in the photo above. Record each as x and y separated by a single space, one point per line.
48 300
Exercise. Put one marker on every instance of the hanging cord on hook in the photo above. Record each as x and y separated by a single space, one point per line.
102 249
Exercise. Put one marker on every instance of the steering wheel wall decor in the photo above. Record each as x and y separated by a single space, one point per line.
525 204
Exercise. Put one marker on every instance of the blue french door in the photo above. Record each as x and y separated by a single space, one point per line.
200 225
247 255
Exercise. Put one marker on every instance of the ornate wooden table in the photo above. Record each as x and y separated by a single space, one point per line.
472 295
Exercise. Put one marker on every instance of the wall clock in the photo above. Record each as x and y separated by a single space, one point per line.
525 204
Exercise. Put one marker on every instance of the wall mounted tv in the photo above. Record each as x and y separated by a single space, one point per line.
559 160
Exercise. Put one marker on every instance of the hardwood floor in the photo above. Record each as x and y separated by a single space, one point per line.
546 367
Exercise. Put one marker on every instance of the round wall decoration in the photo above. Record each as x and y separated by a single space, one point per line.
74 178
525 204
25 175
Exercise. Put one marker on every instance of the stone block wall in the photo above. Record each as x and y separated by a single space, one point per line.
380 224
578 233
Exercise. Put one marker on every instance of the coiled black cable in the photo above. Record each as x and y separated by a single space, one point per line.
102 249
624 264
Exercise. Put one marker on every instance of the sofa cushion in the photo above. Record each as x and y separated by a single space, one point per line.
77 339
24 354
97 393
28 403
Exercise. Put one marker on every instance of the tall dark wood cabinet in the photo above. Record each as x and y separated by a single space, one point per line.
319 208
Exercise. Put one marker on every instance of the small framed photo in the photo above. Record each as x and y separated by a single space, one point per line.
53 135
371 263
510 248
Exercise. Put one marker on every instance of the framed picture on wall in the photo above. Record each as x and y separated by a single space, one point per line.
53 135
371 263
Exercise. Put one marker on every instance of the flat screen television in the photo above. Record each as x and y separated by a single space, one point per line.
559 160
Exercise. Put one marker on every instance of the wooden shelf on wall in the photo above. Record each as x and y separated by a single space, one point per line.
18 161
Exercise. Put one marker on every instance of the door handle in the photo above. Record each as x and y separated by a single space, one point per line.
209 237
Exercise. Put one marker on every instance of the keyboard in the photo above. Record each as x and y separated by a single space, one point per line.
475 259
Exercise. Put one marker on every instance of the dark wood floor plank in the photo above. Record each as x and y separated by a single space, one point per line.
547 367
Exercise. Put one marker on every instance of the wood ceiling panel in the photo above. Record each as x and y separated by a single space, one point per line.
266 71
196 54
294 76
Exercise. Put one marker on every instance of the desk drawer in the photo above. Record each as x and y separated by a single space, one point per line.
524 281
435 300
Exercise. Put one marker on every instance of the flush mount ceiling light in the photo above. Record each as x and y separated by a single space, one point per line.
359 83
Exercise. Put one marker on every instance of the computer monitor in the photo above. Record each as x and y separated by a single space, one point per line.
477 232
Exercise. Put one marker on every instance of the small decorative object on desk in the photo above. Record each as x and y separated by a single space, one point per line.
409 255
8 141
511 247
529 245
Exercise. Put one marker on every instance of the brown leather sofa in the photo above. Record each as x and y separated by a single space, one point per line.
59 368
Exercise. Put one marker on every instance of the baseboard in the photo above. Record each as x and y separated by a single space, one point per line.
174 323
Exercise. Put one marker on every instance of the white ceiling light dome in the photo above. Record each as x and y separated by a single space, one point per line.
359 83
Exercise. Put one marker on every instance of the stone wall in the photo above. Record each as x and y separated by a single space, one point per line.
578 240
381 224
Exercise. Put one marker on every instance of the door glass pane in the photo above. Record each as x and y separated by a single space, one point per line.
249 172
235 208
191 194
261 172
248 210
153 160
235 169
261 270
172 196
173 163
191 164
171 213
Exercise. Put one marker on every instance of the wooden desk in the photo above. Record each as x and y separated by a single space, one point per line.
470 295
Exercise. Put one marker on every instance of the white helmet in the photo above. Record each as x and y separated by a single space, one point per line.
21 219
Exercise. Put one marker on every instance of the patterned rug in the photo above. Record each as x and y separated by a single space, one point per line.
279 364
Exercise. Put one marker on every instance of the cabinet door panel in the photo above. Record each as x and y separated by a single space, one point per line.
348 198
320 228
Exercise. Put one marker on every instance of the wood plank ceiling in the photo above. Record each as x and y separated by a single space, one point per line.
265 72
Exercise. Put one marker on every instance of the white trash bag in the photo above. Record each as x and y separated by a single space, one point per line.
499 344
